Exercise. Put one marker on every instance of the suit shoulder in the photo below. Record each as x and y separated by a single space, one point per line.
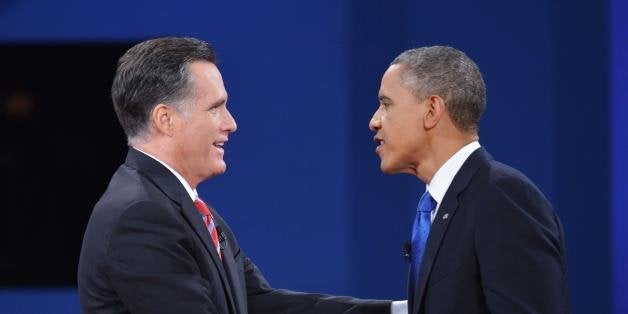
128 193
499 187
127 188
504 177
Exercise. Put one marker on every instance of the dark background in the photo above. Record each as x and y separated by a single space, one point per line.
303 191
60 143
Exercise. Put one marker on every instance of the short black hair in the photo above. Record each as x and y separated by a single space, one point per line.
153 72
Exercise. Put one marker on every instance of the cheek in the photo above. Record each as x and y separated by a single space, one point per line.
403 141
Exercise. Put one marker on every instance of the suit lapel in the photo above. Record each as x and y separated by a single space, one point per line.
238 298
171 187
194 219
231 268
445 214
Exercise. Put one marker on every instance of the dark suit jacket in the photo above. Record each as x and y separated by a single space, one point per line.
146 250
495 246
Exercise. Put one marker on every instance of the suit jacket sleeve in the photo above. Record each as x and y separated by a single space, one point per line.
519 245
264 299
150 265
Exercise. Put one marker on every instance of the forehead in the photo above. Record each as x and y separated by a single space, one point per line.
393 74
206 80
392 81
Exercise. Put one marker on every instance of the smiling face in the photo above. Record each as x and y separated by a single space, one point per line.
204 125
398 123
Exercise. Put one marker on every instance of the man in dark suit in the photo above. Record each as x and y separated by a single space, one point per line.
152 245
485 239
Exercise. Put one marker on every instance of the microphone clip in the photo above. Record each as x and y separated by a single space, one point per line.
407 251
222 240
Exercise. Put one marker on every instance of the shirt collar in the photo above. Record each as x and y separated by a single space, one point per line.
192 192
446 173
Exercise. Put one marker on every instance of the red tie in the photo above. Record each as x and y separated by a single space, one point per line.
209 223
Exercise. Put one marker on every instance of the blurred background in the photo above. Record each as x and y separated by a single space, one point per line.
303 191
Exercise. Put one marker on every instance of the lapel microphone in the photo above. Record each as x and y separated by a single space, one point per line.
222 240
407 251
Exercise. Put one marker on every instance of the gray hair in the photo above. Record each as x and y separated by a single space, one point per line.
450 74
152 72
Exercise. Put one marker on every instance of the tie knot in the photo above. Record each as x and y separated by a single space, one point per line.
427 203
201 206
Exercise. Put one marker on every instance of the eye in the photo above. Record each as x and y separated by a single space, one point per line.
213 109
216 107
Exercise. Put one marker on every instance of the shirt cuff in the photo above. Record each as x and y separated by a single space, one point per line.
399 307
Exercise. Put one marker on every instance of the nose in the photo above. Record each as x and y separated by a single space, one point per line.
230 123
375 122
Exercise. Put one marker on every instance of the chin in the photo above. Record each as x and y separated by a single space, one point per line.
392 167
215 169
220 167
219 170
385 168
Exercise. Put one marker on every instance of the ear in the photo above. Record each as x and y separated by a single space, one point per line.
163 118
435 111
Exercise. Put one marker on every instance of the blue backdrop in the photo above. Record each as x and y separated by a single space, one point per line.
303 191
619 140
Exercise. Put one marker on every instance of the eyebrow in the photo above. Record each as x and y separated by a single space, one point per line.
218 103
382 98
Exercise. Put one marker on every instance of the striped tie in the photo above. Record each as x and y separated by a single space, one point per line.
209 223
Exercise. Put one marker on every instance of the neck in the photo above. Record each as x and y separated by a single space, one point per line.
160 152
440 150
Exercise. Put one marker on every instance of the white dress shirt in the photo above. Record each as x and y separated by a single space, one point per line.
399 307
442 178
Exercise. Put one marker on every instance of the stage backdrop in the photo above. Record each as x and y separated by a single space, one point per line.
303 191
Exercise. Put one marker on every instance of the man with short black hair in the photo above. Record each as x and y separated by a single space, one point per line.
152 245
485 239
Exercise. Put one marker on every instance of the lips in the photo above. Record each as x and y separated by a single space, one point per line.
380 141
220 145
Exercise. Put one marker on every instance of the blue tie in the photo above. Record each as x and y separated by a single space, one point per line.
420 232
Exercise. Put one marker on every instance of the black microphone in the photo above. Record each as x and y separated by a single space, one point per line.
407 251
222 240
